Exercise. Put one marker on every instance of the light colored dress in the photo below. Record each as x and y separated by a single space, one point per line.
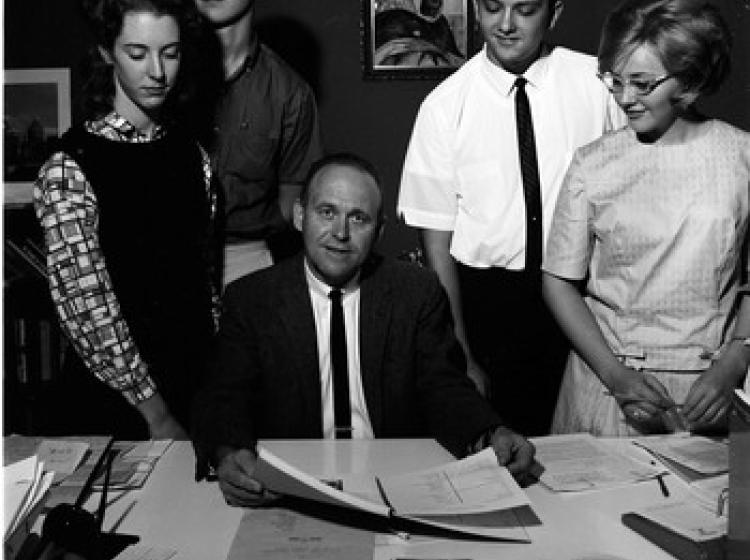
660 230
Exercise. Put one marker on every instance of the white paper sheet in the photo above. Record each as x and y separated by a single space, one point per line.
61 456
578 462
687 519
475 484
700 454
277 534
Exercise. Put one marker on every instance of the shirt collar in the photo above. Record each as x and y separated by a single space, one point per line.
504 81
319 287
116 127
249 63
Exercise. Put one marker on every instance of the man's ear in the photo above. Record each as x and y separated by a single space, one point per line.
381 227
105 55
557 9
298 214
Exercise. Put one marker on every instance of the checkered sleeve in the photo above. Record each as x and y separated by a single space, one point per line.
80 285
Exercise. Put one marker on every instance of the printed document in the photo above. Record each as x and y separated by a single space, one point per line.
474 496
704 456
577 462
473 485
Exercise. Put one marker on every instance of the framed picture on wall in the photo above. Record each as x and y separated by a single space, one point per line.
415 38
36 111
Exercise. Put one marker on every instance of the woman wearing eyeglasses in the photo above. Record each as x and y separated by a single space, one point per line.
646 257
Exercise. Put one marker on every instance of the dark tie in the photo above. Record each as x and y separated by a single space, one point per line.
342 417
530 176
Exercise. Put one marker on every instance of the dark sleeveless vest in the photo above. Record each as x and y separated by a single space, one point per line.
154 221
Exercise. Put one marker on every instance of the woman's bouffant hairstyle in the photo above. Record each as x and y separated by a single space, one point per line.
690 37
105 19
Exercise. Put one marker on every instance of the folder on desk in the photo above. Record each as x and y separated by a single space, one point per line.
486 508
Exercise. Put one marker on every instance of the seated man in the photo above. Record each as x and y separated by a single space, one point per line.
281 346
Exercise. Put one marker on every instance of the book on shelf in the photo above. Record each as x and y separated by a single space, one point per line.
28 252
37 350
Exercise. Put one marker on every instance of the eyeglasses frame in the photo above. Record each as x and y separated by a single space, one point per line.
652 85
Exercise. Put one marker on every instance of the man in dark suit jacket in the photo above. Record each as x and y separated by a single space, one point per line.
273 370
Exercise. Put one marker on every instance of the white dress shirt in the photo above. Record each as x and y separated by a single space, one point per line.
462 170
321 304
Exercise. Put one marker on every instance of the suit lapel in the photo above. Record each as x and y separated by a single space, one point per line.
375 315
296 314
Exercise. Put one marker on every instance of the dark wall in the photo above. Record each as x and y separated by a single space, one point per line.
321 38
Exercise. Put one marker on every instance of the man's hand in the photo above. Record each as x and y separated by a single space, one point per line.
235 472
513 451
161 423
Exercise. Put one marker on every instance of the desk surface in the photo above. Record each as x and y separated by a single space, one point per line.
173 511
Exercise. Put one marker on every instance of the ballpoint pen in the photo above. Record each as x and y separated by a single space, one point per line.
662 485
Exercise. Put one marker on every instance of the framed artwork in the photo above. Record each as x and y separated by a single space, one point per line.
415 38
35 112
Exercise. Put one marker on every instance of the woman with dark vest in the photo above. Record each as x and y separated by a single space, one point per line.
127 209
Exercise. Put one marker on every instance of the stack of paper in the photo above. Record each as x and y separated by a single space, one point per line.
25 486
577 462
134 463
474 496
691 456
73 457
701 462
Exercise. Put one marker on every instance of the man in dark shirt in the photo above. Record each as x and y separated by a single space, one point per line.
265 137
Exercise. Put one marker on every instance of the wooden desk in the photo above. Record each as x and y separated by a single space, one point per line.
173 511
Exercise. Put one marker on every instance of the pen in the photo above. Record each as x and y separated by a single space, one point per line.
662 485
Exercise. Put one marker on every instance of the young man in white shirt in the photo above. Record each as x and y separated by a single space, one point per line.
462 185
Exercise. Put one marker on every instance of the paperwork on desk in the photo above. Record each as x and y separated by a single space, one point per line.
73 457
578 462
278 534
24 485
473 496
701 463
701 455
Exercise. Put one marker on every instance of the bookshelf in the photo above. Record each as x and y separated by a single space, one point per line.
33 343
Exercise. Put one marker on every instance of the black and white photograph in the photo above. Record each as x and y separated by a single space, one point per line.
36 111
376 279
415 38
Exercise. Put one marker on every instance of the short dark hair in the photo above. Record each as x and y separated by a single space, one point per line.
105 20
346 159
690 36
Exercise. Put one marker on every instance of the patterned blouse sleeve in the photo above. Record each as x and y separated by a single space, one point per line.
80 285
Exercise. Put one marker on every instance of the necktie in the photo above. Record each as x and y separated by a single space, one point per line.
530 177
342 417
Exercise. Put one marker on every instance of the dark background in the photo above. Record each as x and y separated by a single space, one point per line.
321 39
